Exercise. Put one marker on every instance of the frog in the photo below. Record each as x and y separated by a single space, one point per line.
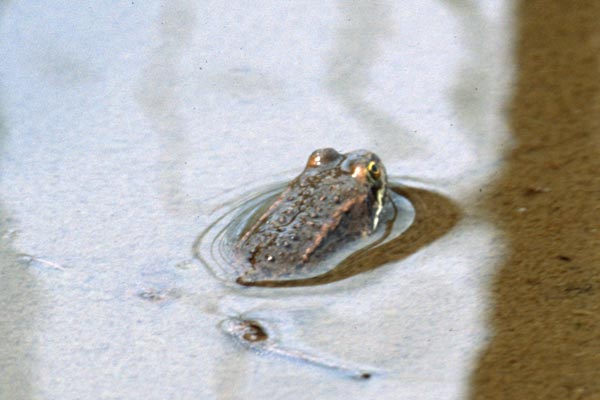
337 199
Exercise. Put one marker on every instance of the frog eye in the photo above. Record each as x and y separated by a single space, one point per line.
374 170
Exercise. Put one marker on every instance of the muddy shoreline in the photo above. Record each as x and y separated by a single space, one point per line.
546 295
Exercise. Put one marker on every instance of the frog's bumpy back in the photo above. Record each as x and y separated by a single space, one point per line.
309 220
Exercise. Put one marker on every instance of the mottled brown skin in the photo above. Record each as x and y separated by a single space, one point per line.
337 199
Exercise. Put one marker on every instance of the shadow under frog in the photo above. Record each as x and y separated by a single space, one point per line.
339 199
435 215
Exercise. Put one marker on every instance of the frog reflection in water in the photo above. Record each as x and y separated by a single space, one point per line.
337 199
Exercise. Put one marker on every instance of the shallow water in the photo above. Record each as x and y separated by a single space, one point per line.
124 127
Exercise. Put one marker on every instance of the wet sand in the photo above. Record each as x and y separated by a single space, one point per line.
546 310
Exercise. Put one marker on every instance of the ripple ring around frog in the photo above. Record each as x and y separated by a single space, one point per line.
351 187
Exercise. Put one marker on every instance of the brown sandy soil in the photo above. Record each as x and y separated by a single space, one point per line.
546 310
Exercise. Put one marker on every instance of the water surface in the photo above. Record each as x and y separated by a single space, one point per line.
125 126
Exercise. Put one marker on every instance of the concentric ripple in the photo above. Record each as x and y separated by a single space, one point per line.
215 245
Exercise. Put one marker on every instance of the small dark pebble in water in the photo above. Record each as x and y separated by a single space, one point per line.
255 332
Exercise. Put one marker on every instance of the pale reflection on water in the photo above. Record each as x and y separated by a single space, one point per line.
118 148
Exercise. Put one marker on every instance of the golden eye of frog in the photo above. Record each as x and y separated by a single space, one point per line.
337 199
